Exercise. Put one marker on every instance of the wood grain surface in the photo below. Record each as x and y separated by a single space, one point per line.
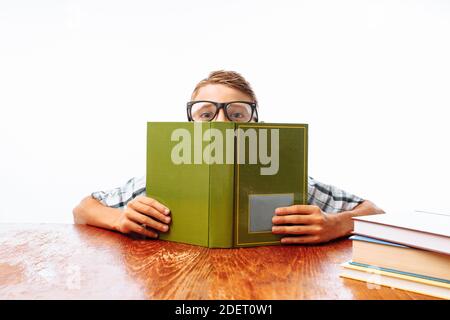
58 261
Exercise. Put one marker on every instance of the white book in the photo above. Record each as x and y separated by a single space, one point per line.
419 229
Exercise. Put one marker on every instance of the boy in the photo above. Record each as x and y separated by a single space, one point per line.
127 209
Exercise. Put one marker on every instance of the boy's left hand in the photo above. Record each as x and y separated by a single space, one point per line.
305 224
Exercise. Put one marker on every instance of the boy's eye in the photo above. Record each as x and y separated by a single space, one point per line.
236 115
206 115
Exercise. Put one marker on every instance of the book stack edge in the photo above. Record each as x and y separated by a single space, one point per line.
405 251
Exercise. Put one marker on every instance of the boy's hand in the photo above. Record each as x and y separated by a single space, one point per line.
145 216
305 224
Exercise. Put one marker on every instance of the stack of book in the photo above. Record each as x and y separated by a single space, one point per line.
404 251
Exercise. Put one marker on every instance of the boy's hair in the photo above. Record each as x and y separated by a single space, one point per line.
228 78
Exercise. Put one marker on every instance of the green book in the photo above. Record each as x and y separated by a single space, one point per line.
223 180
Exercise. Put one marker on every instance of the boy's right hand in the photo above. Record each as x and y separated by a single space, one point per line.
144 211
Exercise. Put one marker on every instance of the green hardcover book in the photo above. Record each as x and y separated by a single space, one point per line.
223 180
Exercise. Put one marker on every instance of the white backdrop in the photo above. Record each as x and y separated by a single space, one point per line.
79 80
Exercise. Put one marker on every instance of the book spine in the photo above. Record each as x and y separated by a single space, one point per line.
221 187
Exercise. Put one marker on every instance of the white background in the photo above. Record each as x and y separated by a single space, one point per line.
79 80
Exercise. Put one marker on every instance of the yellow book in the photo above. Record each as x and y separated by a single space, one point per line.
373 275
390 255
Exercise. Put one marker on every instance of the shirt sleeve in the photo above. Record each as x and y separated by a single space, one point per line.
120 196
330 198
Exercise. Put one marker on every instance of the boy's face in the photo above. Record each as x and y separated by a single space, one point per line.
220 93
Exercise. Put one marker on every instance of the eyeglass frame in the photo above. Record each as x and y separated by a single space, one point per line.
222 105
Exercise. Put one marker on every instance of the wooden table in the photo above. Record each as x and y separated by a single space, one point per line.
59 261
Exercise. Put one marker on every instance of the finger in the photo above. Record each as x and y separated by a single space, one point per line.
293 230
155 204
132 226
293 219
143 219
149 211
300 240
297 209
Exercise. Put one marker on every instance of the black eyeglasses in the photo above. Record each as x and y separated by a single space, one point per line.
236 111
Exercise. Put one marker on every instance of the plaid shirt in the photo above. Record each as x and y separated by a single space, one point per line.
327 197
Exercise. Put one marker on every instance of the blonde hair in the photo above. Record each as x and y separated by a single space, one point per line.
230 79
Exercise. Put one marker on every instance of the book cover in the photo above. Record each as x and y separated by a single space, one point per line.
369 251
414 276
224 180
418 229
377 241
437 224
409 282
